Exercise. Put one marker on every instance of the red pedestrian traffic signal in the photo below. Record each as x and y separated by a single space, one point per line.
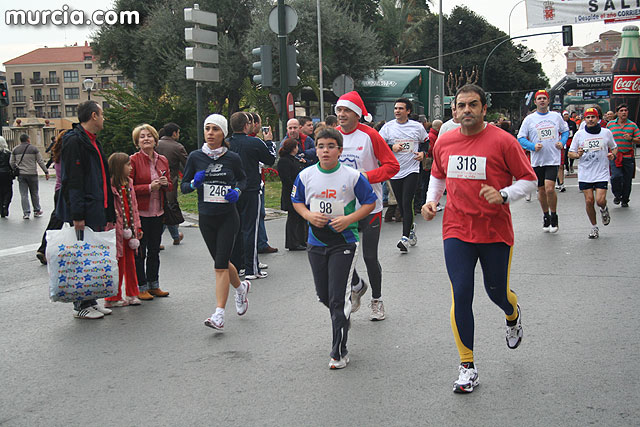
4 94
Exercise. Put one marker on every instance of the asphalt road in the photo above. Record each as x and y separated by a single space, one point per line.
158 365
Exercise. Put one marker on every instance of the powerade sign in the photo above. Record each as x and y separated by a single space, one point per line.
593 82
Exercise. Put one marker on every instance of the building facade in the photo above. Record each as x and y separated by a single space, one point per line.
595 58
50 80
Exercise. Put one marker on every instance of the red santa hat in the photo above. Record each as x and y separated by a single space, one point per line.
353 102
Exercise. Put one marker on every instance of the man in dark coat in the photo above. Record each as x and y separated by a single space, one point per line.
86 199
175 153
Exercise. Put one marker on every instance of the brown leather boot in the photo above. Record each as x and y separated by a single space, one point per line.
145 296
157 293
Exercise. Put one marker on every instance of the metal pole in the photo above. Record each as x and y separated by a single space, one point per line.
320 64
440 37
199 106
284 81
514 6
484 80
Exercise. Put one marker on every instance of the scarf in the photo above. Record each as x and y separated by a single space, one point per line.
214 154
593 130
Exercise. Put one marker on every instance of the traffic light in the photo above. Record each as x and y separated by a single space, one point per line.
4 94
292 66
488 100
265 65
567 35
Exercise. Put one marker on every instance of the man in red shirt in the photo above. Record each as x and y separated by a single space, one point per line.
477 164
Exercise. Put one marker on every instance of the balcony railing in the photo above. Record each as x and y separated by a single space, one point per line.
38 81
40 114
52 80
38 98
19 99
17 82
53 98
54 115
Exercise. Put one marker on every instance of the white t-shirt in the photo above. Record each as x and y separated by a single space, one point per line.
594 164
409 134
447 126
545 129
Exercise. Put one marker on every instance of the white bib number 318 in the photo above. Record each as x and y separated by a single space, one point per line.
214 193
467 167
331 208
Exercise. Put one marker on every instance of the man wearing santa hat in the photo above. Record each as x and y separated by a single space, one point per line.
365 150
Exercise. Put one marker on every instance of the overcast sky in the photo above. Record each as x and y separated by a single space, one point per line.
18 40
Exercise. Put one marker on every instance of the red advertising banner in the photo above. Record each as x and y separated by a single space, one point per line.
626 85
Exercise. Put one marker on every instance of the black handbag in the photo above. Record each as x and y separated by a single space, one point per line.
172 213
16 170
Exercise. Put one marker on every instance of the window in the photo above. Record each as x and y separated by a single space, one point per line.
53 94
88 57
120 80
19 93
70 76
20 111
37 95
578 66
52 74
17 77
70 110
88 66
39 111
71 93
36 75
54 109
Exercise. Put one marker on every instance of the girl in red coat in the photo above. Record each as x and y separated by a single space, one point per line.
128 230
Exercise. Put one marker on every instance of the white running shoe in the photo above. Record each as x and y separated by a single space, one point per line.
260 275
514 333
467 379
413 239
595 233
338 364
262 266
216 321
528 197
403 245
355 296
241 272
377 309
606 218
242 303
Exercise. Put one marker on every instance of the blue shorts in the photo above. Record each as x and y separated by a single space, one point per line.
593 185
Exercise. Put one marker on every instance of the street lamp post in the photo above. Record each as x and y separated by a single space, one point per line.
512 9
88 85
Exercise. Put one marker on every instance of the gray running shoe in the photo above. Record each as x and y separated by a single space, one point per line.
467 379
377 310
595 233
514 333
355 296
413 239
606 218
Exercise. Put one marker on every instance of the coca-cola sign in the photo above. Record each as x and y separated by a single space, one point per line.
626 85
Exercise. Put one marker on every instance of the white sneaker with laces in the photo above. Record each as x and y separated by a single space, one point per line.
262 266
260 275
216 321
403 245
87 313
338 364
467 379
514 333
241 272
242 303
377 310
595 233
413 239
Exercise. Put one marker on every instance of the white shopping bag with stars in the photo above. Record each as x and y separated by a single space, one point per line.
81 269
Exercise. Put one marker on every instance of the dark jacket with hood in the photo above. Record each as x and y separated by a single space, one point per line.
83 184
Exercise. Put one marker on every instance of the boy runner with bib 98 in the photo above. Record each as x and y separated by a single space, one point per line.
326 195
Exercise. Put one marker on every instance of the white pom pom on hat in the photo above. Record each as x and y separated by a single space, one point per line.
219 121
352 101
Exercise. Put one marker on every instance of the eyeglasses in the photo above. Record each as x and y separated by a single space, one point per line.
321 147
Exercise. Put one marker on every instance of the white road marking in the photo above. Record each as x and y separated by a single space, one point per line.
19 249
